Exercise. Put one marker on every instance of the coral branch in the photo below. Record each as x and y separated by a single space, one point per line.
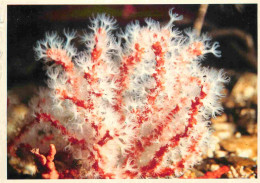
215 174
50 171
60 57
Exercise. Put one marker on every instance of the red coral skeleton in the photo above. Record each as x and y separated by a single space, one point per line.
50 171
216 174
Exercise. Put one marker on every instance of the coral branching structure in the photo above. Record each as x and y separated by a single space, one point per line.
133 104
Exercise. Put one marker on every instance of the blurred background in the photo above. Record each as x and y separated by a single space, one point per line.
234 26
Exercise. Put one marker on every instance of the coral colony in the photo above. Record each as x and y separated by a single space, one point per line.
134 105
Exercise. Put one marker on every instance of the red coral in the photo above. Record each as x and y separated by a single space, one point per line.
47 163
137 111
211 175
215 174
